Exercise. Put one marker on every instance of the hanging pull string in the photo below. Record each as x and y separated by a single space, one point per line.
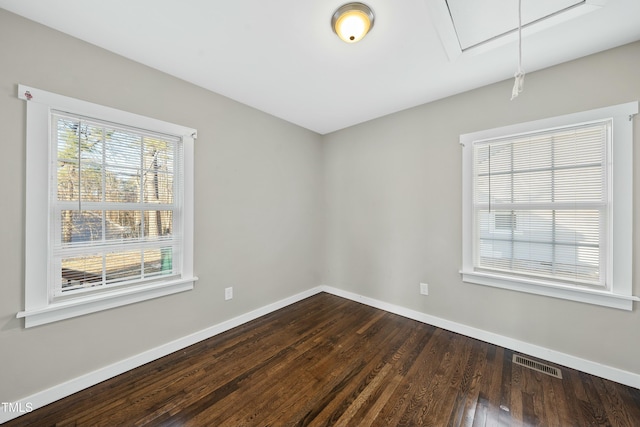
519 82
80 166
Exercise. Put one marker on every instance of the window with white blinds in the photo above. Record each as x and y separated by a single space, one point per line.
115 203
547 206
109 207
540 203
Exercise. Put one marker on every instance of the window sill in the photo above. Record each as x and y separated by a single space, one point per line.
92 303
602 298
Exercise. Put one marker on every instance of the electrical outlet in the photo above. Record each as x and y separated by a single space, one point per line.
424 288
228 293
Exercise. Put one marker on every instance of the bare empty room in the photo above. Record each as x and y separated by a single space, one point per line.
320 213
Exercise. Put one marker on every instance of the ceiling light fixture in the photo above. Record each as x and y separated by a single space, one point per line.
352 21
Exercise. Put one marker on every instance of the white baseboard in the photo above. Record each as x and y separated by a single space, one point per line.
67 388
614 374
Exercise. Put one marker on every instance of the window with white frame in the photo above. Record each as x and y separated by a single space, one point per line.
109 216
547 206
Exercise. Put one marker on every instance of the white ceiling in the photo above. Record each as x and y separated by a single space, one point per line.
281 57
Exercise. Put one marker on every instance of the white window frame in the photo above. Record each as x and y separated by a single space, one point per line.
40 308
619 249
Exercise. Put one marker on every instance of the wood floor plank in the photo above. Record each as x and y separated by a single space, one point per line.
328 361
433 403
548 403
468 395
421 352
614 404
488 404
516 399
244 417
532 393
380 351
504 413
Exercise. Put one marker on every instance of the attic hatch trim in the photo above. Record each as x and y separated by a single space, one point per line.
443 21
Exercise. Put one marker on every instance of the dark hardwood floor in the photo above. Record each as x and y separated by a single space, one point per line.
331 361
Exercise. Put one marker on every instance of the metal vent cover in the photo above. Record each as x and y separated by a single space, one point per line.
537 366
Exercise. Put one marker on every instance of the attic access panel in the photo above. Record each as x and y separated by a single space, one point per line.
477 22
474 26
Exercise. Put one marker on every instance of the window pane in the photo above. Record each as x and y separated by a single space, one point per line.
121 266
533 187
159 151
158 261
66 138
580 146
158 166
505 221
123 149
582 227
81 226
122 185
79 147
532 153
481 192
123 225
500 158
583 184
81 272
158 187
158 223
499 188
90 182
577 262
536 225
67 180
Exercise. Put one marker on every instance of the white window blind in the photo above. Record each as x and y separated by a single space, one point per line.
540 204
115 200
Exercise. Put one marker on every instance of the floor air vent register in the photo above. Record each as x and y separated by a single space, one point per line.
537 366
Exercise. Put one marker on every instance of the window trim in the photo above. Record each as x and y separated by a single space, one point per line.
38 309
619 251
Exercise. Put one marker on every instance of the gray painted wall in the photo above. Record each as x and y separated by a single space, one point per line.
393 210
257 208
373 209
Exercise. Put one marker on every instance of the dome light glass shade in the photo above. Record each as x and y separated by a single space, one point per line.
352 21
